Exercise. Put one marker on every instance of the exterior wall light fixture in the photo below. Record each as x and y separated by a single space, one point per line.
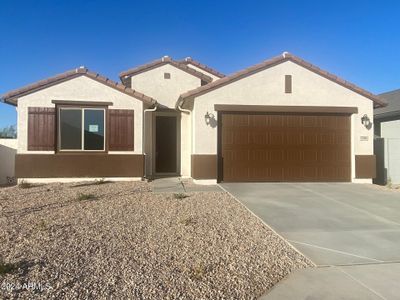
208 117
365 120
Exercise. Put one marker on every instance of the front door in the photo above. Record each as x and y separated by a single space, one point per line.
166 142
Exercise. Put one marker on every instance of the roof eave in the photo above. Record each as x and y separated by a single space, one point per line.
13 96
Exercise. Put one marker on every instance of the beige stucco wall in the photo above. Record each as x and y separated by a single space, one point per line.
78 89
202 71
267 88
165 91
8 149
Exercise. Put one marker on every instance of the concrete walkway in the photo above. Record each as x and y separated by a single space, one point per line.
178 185
350 231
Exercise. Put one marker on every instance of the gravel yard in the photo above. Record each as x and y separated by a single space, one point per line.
121 241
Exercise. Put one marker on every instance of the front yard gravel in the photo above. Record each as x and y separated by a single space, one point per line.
121 241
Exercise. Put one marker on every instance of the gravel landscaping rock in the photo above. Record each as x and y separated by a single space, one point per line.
125 242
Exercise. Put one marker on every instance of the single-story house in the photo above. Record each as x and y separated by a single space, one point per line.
281 120
387 139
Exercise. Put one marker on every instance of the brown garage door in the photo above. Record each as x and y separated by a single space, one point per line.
284 147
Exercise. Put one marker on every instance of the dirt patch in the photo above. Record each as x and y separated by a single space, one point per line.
126 242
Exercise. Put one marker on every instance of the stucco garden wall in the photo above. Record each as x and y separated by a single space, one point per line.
8 149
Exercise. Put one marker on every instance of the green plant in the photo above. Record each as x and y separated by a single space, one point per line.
24 185
180 196
197 272
6 268
82 197
42 225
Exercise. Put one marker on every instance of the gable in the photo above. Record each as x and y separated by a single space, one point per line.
165 90
166 60
267 87
275 63
81 88
13 96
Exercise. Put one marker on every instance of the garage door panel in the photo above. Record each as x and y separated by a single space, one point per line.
273 147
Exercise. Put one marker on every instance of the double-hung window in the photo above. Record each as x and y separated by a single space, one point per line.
81 129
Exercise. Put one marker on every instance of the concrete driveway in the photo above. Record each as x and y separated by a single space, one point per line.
344 226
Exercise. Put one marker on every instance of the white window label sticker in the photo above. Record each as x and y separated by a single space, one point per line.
93 128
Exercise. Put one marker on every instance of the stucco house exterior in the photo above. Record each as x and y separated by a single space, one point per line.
281 120
387 139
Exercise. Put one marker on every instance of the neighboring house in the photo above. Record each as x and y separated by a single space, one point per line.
387 143
281 120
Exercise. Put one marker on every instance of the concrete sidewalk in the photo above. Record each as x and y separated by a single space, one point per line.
179 185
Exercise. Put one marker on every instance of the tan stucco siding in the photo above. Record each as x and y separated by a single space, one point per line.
152 83
204 72
268 88
78 89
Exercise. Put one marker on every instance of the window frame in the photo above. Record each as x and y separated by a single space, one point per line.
82 109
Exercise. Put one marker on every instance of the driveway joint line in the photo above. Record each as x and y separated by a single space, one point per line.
338 251
265 223
346 204
363 284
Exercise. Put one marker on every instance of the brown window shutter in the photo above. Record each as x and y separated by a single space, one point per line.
120 130
41 128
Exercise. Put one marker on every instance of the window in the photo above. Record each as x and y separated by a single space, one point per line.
167 75
81 129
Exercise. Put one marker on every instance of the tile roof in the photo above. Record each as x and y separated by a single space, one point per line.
378 102
12 96
189 60
163 61
393 107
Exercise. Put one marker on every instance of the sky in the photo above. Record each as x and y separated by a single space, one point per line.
356 40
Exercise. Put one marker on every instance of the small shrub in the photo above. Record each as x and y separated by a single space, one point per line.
198 272
42 225
24 185
188 221
180 196
6 268
82 197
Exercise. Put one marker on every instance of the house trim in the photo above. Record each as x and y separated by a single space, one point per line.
79 165
286 109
